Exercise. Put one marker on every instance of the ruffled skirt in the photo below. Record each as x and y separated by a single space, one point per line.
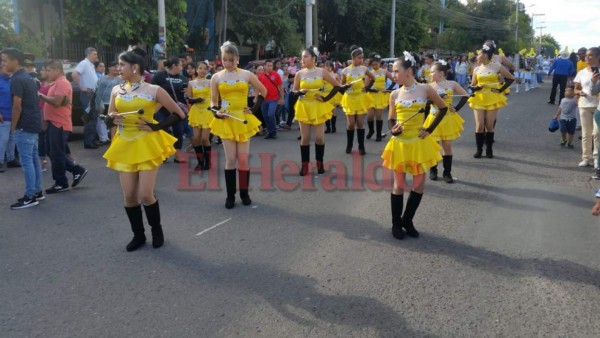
355 104
313 111
411 155
487 100
200 116
234 130
146 152
449 128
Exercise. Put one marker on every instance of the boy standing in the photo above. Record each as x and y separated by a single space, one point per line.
567 111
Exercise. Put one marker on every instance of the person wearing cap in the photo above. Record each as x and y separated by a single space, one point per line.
562 68
158 51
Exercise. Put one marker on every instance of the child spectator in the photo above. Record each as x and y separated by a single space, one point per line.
567 111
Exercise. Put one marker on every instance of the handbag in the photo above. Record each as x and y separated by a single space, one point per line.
554 125
181 105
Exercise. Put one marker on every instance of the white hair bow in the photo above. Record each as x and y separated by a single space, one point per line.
408 57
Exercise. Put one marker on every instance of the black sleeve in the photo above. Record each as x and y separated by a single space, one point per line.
461 103
368 86
438 118
257 104
391 124
507 83
331 94
427 110
169 121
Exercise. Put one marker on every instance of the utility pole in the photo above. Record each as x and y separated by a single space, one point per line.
225 21
309 24
441 30
315 24
393 29
540 28
532 25
162 25
517 26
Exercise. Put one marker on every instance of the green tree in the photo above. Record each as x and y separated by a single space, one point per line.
121 22
9 38
549 44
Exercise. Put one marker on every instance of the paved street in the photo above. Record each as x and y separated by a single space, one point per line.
510 250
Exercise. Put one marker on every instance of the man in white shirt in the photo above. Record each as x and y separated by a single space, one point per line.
86 79
588 103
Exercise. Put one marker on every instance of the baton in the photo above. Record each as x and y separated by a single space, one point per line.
422 110
228 115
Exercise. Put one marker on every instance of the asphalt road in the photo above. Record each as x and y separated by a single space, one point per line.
509 250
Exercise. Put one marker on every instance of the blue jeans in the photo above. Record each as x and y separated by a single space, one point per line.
90 119
27 144
461 79
268 110
4 137
57 146
597 121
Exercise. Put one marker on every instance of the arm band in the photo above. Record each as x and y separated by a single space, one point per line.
259 101
196 100
391 124
331 94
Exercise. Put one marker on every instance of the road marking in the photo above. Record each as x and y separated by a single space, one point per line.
212 227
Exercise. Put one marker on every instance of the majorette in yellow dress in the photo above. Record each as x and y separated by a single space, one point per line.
354 100
451 125
336 99
381 98
308 109
234 99
134 150
407 153
486 99
200 116
427 73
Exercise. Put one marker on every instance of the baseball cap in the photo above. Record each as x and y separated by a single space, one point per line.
161 40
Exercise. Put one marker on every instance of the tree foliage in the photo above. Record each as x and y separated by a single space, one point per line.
122 22
9 38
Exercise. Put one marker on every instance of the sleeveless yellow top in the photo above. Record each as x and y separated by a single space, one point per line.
380 99
234 100
354 100
308 108
485 99
200 116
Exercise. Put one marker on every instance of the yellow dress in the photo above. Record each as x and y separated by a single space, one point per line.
407 153
308 109
234 99
354 101
380 99
200 116
427 73
134 150
336 99
451 125
485 99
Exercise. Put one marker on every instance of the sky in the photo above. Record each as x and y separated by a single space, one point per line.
573 23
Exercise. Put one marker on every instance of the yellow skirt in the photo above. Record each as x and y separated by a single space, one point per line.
312 111
410 154
146 152
233 130
200 116
449 128
379 100
355 104
487 100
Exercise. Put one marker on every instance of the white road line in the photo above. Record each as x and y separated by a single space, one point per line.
212 227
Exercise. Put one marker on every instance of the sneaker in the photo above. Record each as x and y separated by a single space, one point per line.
570 146
77 178
271 137
563 143
285 126
40 196
24 202
56 189
585 163
13 164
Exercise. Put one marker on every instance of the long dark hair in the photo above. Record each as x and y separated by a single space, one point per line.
136 56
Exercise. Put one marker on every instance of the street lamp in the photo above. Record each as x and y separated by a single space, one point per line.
533 26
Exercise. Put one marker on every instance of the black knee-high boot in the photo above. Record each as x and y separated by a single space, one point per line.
327 126
319 153
333 120
447 174
433 173
479 139
378 130
489 142
230 182
360 134
397 204
137 227
412 204
153 216
371 130
350 140
244 178
305 157
200 156
207 159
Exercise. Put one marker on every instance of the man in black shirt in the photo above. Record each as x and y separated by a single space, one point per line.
25 125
